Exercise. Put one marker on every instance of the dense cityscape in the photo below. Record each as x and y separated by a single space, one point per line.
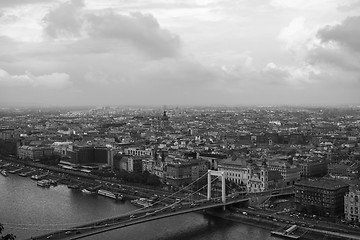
179 119
313 153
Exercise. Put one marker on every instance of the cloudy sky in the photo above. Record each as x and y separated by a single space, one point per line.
180 52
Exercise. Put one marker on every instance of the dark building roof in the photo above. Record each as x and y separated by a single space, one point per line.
274 175
241 162
327 184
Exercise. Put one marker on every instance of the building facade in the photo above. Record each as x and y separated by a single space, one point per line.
313 169
352 204
34 153
255 176
235 170
138 152
258 180
290 173
83 154
181 173
323 197
61 148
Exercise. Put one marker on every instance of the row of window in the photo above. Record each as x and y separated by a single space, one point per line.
354 210
353 198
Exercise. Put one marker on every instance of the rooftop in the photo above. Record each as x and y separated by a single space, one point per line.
323 184
237 162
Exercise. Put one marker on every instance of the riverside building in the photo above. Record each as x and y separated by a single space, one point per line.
322 197
352 204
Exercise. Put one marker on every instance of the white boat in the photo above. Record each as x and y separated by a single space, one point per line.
4 173
109 194
38 177
43 183
35 177
86 191
142 202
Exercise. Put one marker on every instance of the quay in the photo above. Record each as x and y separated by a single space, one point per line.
304 232
287 232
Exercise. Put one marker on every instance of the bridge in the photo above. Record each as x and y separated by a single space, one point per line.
146 214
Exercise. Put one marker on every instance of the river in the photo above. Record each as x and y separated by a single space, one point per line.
29 210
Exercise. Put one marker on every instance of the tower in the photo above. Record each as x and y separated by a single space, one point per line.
164 121
264 175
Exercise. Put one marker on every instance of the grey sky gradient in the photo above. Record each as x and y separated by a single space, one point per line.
201 52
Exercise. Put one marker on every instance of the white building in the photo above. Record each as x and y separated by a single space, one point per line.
235 170
138 152
257 178
352 205
62 148
34 153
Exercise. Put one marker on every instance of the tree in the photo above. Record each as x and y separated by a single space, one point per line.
8 236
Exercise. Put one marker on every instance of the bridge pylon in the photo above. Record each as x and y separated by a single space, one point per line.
218 174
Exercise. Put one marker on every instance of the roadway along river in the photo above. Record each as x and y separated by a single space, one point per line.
29 210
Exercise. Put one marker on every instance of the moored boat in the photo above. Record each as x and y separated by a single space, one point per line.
43 183
116 196
142 202
86 191
38 177
26 174
4 173
35 177
15 170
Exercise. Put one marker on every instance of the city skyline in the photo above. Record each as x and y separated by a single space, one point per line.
205 52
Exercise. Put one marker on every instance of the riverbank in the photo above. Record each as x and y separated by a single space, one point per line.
129 190
262 221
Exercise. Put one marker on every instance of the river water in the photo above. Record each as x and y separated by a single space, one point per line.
28 210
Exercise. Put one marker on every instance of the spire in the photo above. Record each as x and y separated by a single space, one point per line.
264 164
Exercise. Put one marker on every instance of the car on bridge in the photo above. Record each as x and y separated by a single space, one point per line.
150 213
194 204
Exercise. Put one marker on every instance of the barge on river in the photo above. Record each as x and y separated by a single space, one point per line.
116 196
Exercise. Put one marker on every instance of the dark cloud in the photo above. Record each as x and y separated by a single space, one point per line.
141 30
137 30
336 57
340 46
346 33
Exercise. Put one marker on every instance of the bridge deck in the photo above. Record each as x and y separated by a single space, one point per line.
135 218
151 214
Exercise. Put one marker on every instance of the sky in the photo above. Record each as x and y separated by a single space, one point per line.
179 52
